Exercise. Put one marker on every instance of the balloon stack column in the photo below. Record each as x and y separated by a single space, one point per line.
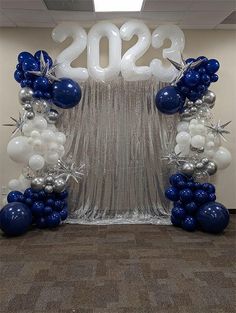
38 196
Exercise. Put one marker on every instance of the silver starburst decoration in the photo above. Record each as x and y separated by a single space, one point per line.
70 170
173 158
183 67
18 124
45 70
218 129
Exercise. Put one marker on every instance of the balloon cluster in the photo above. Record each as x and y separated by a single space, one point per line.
47 210
195 82
195 206
37 73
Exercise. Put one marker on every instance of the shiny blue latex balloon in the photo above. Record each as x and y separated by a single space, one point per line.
14 196
213 217
191 78
211 197
28 193
28 202
63 214
47 210
186 195
41 222
62 195
58 205
15 219
50 202
176 178
190 185
24 56
42 195
178 212
53 220
205 79
38 94
178 203
189 223
214 78
47 58
66 93
212 66
42 84
175 221
37 208
200 196
18 75
30 65
191 208
190 60
172 193
169 100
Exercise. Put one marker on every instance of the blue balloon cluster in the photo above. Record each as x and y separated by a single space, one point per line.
41 85
195 82
47 209
195 206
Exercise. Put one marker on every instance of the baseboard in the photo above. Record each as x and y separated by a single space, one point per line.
232 211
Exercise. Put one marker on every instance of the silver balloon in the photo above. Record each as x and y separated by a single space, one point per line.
199 166
209 98
49 180
188 169
52 116
37 183
205 161
30 115
211 168
26 95
28 107
193 110
59 185
41 106
189 103
48 188
198 102
200 150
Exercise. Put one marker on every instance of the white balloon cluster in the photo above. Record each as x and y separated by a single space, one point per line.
196 136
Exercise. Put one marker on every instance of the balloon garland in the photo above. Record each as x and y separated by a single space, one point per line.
198 153
38 196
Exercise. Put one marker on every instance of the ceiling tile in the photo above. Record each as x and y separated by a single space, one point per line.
28 16
5 21
204 18
171 6
23 4
72 16
36 24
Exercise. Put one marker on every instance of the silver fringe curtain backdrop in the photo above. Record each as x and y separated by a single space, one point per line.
118 133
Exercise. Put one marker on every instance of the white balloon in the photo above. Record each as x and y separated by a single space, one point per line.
53 146
66 57
222 157
99 30
176 36
200 129
52 157
209 153
27 128
210 145
13 184
183 138
183 126
129 70
198 141
61 150
19 150
48 135
24 183
193 122
39 123
193 129
60 138
210 137
35 134
182 150
36 162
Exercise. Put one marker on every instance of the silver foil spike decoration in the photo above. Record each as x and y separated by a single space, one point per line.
218 129
70 170
173 158
17 123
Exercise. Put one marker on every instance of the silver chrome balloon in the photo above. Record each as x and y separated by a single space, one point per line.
205 161
211 168
52 116
41 106
188 169
25 95
48 188
59 185
199 166
198 102
209 98
28 107
189 103
49 180
193 110
37 183
30 115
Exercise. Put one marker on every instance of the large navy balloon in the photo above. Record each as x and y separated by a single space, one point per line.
15 219
66 93
213 217
169 100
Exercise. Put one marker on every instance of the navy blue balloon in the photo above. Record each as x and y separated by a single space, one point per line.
176 178
208 187
214 78
200 196
41 222
30 65
189 223
178 212
58 205
172 193
186 195
205 79
66 93
175 221
42 195
169 100
211 197
47 210
201 70
42 84
213 217
18 75
191 78
62 195
38 94
24 56
53 220
28 193
14 196
178 203
190 184
191 208
212 66
28 202
63 214
45 55
50 202
37 208
15 218
190 60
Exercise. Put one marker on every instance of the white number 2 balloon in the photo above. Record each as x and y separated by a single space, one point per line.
64 59
129 70
175 34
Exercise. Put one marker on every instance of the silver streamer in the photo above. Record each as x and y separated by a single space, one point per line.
120 136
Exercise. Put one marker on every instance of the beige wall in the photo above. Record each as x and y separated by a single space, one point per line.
215 44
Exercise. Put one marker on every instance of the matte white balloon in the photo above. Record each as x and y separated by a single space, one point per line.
182 150
183 138
39 123
183 126
99 30
52 158
13 184
60 138
48 135
130 71
27 128
19 149
223 158
35 134
36 162
67 56
198 141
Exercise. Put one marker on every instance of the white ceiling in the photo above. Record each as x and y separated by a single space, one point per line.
188 14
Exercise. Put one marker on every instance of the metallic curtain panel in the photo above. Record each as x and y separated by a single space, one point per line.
121 137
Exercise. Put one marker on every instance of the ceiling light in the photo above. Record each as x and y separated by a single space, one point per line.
117 5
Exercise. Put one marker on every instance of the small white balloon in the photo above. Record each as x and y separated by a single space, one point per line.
222 157
13 184
36 162
210 145
48 135
183 138
182 150
27 128
209 153
193 122
39 123
52 158
19 150
53 146
198 141
183 126
61 138
210 137
61 150
193 129
200 129
24 183
35 134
